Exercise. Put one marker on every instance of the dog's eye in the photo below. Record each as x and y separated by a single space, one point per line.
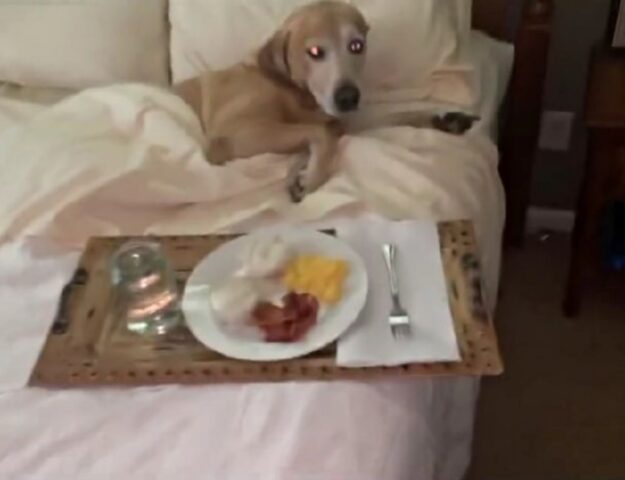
316 53
356 46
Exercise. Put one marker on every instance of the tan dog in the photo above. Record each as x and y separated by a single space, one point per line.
287 97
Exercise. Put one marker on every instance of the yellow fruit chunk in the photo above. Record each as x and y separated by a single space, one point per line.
317 275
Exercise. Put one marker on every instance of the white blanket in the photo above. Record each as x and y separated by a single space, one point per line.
127 159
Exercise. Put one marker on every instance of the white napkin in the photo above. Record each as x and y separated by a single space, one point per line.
423 294
31 279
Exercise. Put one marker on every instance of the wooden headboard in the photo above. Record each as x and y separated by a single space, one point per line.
491 16
520 122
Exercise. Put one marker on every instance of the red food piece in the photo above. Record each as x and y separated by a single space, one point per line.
288 323
268 315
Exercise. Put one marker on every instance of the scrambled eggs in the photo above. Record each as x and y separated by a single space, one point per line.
317 275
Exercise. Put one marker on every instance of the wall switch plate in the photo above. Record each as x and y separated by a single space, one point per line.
555 130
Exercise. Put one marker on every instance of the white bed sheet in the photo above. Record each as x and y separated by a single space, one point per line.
395 430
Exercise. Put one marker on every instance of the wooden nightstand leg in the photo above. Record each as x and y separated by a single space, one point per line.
594 196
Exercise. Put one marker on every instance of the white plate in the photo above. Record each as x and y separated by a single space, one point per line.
222 263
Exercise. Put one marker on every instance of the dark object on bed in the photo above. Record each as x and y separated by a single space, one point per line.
520 119
60 323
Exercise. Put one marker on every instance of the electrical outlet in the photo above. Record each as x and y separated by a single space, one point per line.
555 130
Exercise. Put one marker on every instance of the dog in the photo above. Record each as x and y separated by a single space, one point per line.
291 94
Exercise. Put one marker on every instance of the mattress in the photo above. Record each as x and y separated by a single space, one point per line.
392 429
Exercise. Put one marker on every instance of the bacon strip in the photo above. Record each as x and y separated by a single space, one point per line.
288 323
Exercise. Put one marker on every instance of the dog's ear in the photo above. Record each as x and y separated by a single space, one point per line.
273 56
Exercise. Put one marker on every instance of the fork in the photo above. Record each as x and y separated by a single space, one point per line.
398 319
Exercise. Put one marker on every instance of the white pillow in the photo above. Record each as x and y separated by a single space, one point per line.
37 95
83 43
408 40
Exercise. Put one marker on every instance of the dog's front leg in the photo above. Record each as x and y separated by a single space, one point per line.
334 125
455 123
312 172
255 138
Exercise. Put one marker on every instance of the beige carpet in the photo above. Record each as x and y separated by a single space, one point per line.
558 412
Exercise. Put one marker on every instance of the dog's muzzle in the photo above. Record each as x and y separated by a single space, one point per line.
347 97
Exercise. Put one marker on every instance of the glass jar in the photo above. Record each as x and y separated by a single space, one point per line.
146 291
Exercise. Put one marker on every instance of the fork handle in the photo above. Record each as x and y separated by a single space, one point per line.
390 251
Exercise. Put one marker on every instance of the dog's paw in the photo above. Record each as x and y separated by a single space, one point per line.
304 178
455 123
296 184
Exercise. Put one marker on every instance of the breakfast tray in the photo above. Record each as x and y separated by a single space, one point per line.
89 346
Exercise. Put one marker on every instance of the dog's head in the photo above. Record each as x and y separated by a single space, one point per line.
321 48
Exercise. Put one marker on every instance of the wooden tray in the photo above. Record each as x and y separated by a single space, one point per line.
94 348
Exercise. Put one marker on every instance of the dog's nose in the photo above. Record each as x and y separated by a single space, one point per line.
346 97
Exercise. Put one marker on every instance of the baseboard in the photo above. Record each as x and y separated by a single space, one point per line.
539 219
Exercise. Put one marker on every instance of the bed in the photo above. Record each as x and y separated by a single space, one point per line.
416 429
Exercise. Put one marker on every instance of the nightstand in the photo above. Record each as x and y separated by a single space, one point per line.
604 178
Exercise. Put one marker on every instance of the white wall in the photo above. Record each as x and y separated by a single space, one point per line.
579 24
